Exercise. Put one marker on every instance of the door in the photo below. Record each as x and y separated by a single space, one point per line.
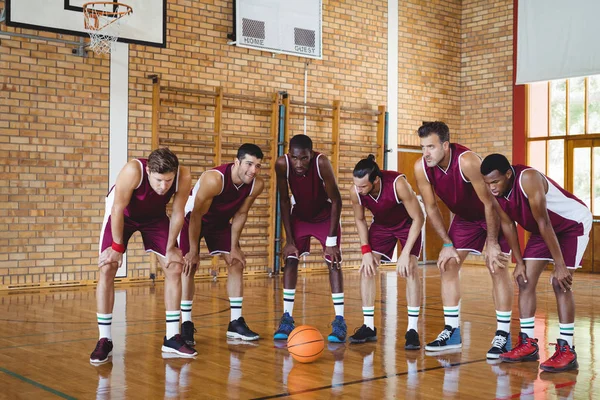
583 180
407 156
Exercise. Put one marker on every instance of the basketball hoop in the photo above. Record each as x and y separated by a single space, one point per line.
103 23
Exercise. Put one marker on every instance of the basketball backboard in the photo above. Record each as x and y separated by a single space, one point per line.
146 25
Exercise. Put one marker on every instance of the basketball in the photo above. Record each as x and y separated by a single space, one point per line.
306 344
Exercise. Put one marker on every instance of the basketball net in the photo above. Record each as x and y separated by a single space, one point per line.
103 23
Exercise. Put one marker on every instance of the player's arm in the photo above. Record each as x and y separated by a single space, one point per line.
333 192
127 181
368 264
435 217
240 217
285 204
510 233
431 208
470 165
411 203
211 184
535 186
359 217
178 213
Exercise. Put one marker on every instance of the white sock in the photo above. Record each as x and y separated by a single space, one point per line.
503 320
288 300
104 325
413 318
566 332
236 307
451 315
369 316
338 303
527 326
186 310
172 323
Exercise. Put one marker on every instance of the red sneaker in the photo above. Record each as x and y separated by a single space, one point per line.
178 346
526 350
102 351
564 359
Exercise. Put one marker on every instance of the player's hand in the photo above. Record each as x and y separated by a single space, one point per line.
403 265
110 256
237 254
191 259
495 258
290 249
446 254
519 272
173 256
563 276
332 254
369 265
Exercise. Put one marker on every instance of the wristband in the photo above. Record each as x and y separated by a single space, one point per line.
365 249
448 244
331 241
118 247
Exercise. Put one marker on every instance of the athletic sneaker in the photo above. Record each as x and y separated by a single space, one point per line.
286 326
364 334
238 329
449 338
338 332
500 344
412 340
564 358
102 351
187 332
526 350
177 345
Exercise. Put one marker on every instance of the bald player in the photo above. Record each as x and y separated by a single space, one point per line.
313 209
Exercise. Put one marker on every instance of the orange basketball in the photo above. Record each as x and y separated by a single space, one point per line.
306 344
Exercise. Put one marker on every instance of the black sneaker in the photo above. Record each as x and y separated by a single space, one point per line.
412 340
500 344
187 333
364 334
238 329
448 339
102 351
177 345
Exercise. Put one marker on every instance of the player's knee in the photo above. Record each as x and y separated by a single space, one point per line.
108 271
236 266
525 287
556 286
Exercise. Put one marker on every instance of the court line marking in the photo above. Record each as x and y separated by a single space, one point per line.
360 381
37 384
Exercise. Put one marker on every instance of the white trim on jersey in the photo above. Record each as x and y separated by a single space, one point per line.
177 182
445 171
562 205
108 203
425 169
189 205
394 187
319 169
142 168
287 170
357 195
252 188
459 167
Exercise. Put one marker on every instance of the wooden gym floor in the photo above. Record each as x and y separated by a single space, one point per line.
46 338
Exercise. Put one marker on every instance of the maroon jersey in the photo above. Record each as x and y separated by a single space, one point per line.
225 204
453 188
310 201
387 209
145 203
566 211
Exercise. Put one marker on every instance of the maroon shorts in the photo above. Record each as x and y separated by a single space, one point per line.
302 231
155 234
383 239
217 237
472 235
572 246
